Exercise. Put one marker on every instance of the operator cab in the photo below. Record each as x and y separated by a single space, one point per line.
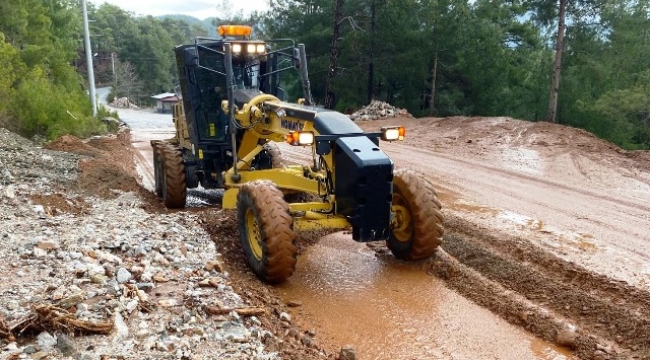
256 69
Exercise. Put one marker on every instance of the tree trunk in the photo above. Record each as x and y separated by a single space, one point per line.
434 76
557 65
334 54
371 54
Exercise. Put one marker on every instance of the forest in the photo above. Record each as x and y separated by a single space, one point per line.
583 63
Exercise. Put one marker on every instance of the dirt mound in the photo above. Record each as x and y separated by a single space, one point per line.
101 176
72 144
56 204
531 148
109 166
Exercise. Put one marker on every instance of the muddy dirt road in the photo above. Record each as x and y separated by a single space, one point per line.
547 244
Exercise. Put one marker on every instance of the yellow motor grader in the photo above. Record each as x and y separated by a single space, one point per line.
231 116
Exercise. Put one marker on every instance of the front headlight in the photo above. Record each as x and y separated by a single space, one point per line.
236 48
393 133
261 49
300 138
250 48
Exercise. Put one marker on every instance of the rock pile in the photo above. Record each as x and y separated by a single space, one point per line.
123 103
141 283
379 110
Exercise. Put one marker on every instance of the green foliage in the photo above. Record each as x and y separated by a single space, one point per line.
445 57
40 93
628 112
46 109
489 58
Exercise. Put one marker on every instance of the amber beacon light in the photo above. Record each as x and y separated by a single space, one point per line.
235 30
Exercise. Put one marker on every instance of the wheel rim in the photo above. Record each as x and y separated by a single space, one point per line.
253 234
402 224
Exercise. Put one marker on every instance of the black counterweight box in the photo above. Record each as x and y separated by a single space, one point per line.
363 187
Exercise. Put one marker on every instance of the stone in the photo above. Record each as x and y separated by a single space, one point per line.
9 192
47 245
72 300
107 257
567 335
99 278
167 302
45 340
161 346
132 305
121 329
306 341
294 303
123 275
12 305
214 265
39 253
347 353
285 317
237 333
30 349
65 345
39 355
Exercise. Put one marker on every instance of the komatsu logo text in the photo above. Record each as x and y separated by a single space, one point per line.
290 125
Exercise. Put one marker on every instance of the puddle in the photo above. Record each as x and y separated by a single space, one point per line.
387 309
542 350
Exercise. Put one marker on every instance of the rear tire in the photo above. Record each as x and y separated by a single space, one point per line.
417 234
174 189
265 231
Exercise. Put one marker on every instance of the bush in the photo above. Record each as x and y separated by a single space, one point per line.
46 109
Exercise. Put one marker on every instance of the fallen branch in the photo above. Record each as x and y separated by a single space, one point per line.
49 317
248 311
58 318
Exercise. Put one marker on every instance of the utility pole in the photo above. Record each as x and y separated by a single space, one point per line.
89 59
113 63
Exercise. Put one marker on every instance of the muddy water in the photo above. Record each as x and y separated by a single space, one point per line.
391 310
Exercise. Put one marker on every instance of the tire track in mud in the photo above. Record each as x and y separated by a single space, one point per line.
544 294
557 300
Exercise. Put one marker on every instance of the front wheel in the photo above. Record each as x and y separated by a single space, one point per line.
416 225
265 231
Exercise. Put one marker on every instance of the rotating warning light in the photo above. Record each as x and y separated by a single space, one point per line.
235 30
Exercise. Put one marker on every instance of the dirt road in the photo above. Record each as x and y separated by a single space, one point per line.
547 227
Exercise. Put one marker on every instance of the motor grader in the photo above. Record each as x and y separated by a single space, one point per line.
231 115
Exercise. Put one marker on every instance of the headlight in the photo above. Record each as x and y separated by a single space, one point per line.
261 49
393 133
236 48
250 48
300 138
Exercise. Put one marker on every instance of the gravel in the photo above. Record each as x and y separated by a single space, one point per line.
149 275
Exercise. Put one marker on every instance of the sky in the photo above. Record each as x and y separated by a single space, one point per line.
197 8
